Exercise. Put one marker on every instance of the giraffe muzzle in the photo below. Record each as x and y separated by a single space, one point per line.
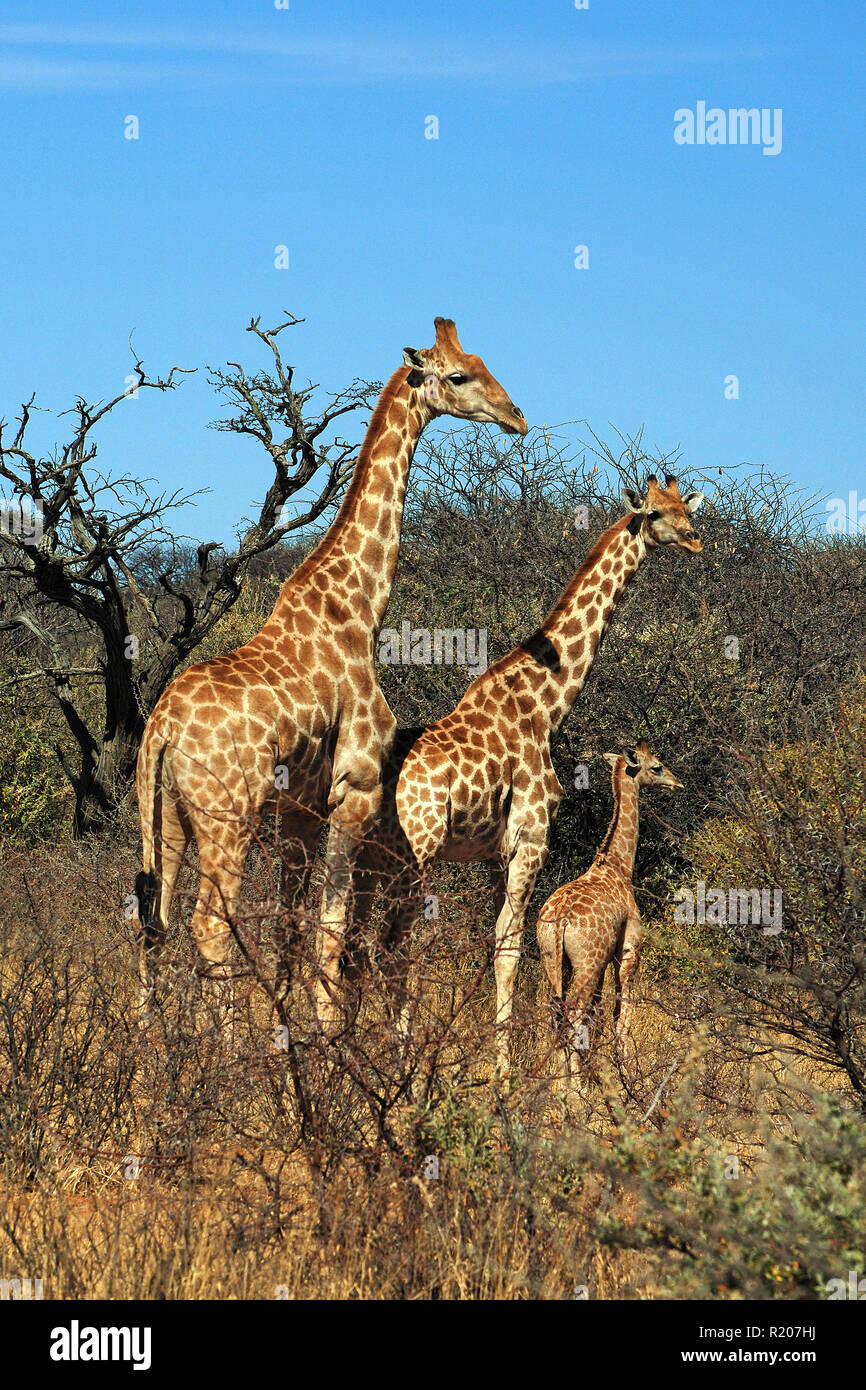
515 423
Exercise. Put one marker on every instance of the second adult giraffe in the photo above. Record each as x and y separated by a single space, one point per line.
302 696
480 783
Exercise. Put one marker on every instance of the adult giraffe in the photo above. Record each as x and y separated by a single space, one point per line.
480 784
296 713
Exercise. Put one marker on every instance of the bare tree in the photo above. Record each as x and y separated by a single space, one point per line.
77 548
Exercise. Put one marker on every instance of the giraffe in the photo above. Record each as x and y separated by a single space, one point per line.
479 785
295 717
594 921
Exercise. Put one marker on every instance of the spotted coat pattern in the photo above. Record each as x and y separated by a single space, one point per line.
295 717
480 783
594 922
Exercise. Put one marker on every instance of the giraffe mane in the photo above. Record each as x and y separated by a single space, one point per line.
372 433
591 559
537 644
605 845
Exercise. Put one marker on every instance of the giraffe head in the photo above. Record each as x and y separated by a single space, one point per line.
645 768
454 382
663 516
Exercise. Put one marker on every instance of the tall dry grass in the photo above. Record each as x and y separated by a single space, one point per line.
175 1162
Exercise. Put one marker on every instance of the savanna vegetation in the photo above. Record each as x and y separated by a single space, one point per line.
726 1158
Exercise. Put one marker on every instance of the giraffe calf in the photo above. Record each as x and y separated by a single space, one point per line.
594 922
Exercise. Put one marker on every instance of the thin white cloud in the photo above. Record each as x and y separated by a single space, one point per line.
47 75
31 59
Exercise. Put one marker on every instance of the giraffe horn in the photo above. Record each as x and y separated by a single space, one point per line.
446 334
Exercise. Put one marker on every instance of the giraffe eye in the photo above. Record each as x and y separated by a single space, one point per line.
656 770
458 378
653 516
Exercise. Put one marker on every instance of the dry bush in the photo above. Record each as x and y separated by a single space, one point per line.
179 1163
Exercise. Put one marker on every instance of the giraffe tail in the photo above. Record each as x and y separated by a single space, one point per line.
146 895
549 935
149 785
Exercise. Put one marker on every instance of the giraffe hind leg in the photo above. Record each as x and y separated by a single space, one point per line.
582 1007
299 837
154 890
222 857
523 870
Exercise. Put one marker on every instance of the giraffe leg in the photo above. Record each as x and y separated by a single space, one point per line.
627 965
496 876
166 857
386 863
404 909
523 869
550 935
356 803
354 959
222 858
350 822
580 1014
299 836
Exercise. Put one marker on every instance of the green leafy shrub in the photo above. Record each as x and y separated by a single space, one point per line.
778 1215
796 824
33 793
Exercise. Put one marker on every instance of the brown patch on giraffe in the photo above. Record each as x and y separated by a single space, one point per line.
373 553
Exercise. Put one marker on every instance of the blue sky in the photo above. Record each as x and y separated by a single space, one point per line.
305 127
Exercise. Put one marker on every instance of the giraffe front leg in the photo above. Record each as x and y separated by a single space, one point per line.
367 729
405 907
626 974
523 869
350 822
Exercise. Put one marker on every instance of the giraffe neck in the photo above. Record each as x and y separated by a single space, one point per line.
570 636
619 846
359 551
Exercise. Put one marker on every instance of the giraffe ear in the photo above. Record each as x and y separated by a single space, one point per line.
631 760
612 758
633 500
692 501
420 375
414 361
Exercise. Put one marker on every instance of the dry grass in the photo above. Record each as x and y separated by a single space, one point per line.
178 1164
